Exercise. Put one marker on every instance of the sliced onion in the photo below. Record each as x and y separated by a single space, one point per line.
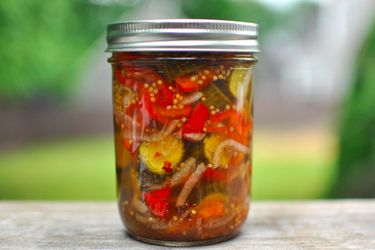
173 223
141 218
139 206
192 98
178 134
194 136
184 172
240 171
221 147
160 135
131 95
158 223
131 135
213 223
122 118
189 184
154 223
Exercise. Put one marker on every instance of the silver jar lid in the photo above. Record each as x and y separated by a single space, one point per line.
183 35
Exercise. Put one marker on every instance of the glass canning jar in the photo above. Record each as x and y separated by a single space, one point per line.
183 122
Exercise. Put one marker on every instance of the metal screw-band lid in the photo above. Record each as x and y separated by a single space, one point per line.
183 35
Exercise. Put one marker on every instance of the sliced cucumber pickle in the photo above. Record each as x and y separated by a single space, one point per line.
156 154
240 81
210 145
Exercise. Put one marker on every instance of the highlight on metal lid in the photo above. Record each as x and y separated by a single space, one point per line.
183 35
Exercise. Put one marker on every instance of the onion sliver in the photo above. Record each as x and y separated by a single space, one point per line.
192 98
195 136
122 118
129 97
139 206
184 172
177 177
158 136
190 183
180 219
213 223
152 222
221 147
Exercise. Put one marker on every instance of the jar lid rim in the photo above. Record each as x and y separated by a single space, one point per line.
182 35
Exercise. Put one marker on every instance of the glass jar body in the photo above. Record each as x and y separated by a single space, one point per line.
183 128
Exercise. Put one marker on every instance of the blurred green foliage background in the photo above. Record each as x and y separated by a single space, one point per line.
44 46
356 159
45 43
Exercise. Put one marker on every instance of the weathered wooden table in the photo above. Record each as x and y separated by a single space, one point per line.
346 224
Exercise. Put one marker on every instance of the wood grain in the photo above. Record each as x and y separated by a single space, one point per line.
342 224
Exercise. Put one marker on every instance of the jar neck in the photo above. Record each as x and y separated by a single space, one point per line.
205 56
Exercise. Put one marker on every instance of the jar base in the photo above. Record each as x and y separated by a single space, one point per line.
182 243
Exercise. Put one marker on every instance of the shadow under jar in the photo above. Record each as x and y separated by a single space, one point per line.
182 109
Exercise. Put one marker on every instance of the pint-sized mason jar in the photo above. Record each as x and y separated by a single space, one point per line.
183 122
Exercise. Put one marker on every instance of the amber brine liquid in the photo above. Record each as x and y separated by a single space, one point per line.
183 127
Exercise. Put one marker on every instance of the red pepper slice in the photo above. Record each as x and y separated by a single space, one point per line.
232 124
158 201
218 117
155 95
144 75
217 129
137 77
174 113
186 85
196 81
123 77
161 114
150 111
164 97
197 120
119 76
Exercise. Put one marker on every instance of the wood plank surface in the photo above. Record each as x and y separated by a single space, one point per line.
342 224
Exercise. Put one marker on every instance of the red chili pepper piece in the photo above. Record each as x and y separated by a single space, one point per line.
167 167
125 77
157 154
196 81
186 85
164 97
174 113
158 201
150 111
231 123
197 120
217 129
144 75
222 115
119 76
